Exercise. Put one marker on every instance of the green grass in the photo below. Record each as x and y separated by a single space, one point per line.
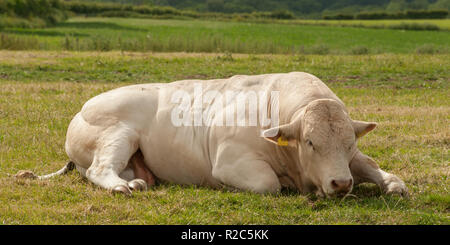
105 34
407 94
443 24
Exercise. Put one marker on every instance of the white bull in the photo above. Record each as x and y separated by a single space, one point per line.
123 138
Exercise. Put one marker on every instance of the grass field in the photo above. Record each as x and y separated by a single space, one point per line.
442 24
104 34
407 94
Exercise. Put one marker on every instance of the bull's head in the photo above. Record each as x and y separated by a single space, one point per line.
325 137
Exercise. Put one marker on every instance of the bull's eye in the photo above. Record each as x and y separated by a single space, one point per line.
310 143
350 147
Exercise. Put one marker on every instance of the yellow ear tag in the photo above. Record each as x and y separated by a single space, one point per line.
282 142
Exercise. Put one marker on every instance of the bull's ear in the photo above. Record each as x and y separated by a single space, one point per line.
362 128
283 135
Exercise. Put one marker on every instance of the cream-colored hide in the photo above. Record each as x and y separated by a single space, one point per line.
313 149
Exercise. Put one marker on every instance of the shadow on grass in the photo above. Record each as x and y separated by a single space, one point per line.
365 196
360 191
97 25
364 192
44 33
367 190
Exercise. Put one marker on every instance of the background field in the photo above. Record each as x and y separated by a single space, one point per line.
407 94
104 34
443 24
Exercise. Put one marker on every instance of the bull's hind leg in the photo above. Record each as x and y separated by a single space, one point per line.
140 170
111 158
137 174
364 169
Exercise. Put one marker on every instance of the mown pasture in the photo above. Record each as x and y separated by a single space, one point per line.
104 34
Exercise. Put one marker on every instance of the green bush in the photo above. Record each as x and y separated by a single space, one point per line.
373 16
32 13
127 10
410 14
426 49
6 21
282 14
338 17
122 14
415 26
431 14
321 49
12 42
359 50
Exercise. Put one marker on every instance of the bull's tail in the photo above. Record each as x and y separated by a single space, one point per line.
28 174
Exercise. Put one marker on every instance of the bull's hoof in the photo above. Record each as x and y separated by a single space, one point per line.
396 186
320 194
122 189
137 185
25 174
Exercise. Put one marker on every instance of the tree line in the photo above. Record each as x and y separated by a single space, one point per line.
40 13
31 13
409 14
300 8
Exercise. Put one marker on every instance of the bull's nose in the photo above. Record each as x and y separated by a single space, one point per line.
341 185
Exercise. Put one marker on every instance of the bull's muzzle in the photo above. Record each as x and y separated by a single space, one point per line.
341 185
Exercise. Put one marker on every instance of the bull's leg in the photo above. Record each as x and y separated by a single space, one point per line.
81 170
238 167
365 169
140 170
127 174
111 158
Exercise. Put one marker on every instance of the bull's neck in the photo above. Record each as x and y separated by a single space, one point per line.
285 159
287 166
